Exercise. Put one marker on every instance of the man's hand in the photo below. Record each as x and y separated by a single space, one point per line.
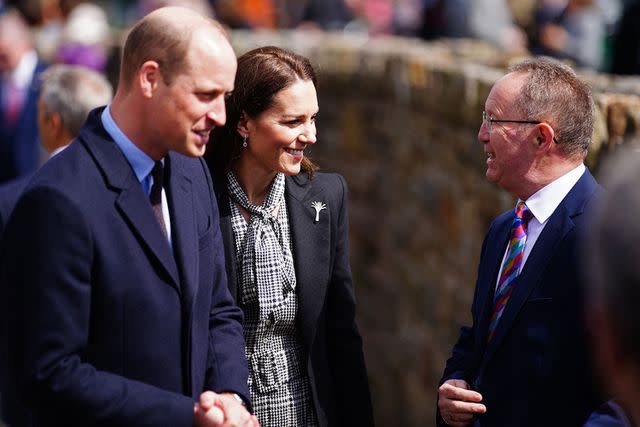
457 403
222 410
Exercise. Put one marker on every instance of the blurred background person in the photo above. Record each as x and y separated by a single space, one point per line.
571 29
489 20
285 229
85 38
19 88
626 41
493 21
611 255
203 7
329 15
68 94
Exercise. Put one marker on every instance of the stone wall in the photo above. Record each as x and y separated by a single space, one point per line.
399 118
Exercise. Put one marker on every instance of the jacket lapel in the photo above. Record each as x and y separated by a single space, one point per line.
493 256
131 201
311 252
560 223
183 226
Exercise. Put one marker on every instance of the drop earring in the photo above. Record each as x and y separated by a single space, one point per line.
244 141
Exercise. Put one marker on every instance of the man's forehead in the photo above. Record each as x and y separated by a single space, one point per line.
506 88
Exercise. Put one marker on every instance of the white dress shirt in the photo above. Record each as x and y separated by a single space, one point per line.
542 204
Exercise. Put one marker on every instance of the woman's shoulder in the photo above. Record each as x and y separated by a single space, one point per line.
321 181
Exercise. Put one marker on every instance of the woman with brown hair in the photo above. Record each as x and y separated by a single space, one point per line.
285 229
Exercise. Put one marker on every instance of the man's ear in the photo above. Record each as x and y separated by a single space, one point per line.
55 121
149 76
243 125
545 134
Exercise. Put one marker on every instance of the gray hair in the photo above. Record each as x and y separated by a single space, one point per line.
72 92
611 249
553 93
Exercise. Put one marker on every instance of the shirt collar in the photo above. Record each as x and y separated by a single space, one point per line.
545 201
22 75
140 162
57 151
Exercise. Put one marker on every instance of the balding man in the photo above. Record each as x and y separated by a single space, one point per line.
119 313
19 86
67 95
525 361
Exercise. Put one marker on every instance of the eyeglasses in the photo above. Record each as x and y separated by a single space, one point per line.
486 118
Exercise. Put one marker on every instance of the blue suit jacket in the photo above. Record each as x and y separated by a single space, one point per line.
326 310
107 325
9 194
536 370
20 144
11 409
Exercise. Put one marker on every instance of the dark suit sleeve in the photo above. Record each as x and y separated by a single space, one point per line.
47 267
460 364
345 344
228 369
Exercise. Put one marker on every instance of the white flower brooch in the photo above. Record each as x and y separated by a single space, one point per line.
318 206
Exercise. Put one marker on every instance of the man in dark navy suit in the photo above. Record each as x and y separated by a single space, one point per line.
19 87
118 308
525 361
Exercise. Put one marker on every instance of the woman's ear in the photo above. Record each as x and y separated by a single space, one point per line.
243 125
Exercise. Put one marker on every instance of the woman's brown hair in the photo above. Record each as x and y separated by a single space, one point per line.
262 73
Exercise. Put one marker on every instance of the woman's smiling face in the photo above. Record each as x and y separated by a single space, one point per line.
278 136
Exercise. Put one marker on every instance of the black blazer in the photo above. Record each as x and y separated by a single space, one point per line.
108 326
536 369
326 311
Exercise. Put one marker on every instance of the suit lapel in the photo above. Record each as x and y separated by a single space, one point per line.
558 226
493 258
183 226
131 201
311 252
560 223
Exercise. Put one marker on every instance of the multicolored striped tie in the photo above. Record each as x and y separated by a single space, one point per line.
511 265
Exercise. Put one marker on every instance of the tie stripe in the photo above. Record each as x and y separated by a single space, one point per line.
511 265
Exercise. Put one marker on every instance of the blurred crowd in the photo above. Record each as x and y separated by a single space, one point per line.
597 34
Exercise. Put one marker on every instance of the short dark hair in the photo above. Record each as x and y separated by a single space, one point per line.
555 94
156 38
261 74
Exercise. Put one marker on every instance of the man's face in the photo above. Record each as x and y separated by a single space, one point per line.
186 110
509 147
13 42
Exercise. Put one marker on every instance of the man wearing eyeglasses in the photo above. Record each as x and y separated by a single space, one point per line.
525 361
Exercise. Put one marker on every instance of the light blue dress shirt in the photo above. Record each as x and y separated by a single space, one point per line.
140 162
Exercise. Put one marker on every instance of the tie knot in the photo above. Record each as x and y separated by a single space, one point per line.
157 173
523 212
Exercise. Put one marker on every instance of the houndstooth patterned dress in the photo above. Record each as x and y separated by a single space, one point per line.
278 378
